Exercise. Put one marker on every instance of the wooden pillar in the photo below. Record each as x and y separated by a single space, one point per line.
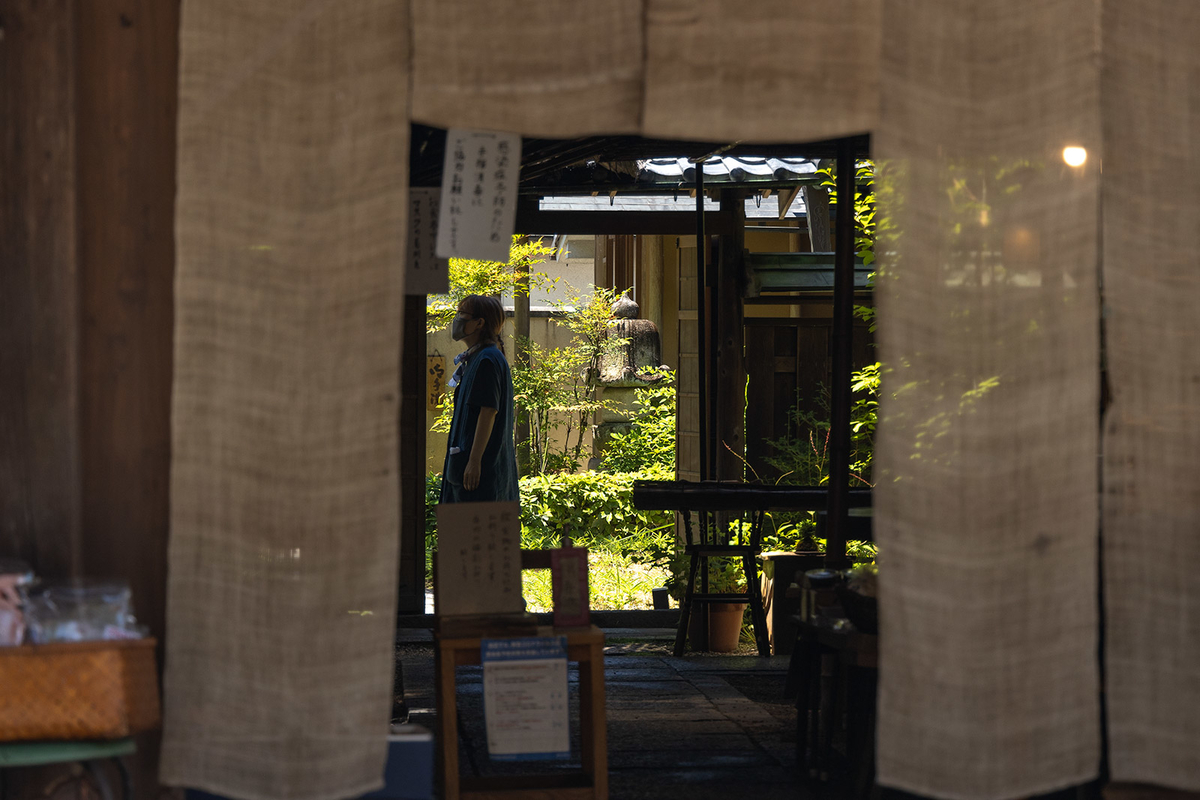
730 373
126 102
652 279
87 242
410 597
40 504
521 359
841 358
88 98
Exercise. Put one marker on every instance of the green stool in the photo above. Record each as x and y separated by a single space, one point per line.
35 754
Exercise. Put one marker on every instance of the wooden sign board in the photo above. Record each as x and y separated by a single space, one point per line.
479 559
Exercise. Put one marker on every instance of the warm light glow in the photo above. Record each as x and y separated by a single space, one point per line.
1074 156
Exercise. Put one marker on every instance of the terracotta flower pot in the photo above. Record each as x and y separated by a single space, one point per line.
725 626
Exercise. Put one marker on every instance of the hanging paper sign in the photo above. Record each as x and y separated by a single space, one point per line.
479 556
435 382
479 195
427 274
525 698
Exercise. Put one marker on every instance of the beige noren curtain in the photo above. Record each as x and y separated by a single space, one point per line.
986 495
761 71
552 68
293 153
293 146
1152 429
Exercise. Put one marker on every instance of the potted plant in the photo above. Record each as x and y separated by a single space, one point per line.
725 576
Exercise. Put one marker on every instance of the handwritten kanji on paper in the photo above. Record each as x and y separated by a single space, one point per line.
479 195
426 273
479 559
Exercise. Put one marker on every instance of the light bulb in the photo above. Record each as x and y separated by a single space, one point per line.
1074 156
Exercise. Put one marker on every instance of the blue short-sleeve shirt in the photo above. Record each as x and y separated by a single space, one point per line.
486 383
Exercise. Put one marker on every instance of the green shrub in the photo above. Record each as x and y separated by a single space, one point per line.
593 509
650 442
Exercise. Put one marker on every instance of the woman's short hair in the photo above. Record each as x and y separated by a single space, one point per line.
489 310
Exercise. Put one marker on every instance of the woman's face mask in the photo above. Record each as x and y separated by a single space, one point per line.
458 330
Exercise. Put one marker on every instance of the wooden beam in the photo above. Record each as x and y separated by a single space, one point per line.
786 198
650 223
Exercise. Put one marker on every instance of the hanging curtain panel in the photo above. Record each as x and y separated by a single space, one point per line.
1151 82
553 68
986 475
762 71
292 204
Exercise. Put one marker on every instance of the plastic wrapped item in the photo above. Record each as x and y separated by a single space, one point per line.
80 611
13 575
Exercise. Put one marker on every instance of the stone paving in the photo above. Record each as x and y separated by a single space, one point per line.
697 727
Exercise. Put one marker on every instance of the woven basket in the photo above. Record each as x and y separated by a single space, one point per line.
78 690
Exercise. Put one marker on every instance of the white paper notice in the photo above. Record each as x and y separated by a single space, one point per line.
427 274
525 698
479 559
479 195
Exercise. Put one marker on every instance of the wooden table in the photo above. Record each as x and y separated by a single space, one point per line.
585 646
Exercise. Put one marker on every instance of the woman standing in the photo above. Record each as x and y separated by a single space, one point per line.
481 463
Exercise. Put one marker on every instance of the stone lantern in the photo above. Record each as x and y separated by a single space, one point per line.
631 366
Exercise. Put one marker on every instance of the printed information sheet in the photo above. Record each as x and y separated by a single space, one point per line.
525 698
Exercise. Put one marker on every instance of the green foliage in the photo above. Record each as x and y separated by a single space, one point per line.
558 389
802 457
433 493
791 533
468 276
542 389
615 581
594 510
864 205
650 442
726 575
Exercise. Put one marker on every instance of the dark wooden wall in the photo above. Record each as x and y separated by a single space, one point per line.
39 288
87 191
88 99
787 366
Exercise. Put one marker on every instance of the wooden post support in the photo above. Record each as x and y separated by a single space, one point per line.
521 359
40 485
410 598
816 204
652 279
88 95
730 375
842 353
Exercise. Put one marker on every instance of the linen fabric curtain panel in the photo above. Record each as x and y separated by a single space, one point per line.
293 156
989 419
1151 273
